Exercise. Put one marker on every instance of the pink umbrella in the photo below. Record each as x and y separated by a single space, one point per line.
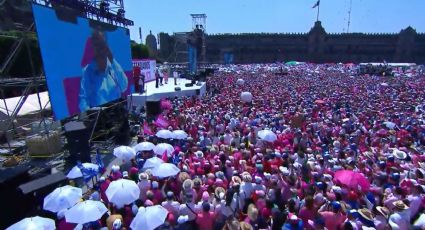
352 180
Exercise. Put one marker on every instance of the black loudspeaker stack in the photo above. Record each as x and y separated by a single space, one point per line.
77 135
177 89
153 107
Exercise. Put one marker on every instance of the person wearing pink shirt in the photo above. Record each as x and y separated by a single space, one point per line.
335 218
308 212
205 219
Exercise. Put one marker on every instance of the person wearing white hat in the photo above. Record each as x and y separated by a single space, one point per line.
144 185
246 188
400 219
115 172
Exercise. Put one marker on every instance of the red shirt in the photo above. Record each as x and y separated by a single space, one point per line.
205 220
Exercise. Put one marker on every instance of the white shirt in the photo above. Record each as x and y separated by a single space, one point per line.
171 206
400 220
144 186
246 190
227 138
380 223
184 210
415 204
259 187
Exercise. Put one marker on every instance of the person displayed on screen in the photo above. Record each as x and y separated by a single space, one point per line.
103 78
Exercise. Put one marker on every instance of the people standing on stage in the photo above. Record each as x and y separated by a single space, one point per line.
165 71
142 83
175 76
157 77
161 76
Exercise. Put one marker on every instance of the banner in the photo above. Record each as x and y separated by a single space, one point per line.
228 58
147 68
192 59
87 63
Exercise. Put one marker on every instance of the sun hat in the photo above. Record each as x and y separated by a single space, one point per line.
218 191
366 214
400 205
143 176
187 184
383 211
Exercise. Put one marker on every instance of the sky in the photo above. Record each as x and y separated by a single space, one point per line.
275 16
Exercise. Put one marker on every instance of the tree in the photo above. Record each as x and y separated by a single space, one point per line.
139 51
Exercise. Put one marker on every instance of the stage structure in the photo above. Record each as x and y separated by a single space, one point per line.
30 113
188 48
199 28
71 34
109 11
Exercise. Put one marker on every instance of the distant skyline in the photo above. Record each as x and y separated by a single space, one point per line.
275 16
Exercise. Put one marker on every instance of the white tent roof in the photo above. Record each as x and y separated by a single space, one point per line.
31 105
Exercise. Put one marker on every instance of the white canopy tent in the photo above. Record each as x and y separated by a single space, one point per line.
31 104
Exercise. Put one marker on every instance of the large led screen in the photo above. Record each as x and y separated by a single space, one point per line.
87 63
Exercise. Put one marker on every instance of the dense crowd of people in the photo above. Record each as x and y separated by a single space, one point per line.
326 120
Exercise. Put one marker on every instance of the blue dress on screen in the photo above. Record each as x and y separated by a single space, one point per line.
99 87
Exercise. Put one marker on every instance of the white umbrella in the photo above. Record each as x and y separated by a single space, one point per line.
162 147
33 223
267 135
144 146
246 96
165 170
124 153
240 81
149 218
152 162
76 172
179 135
85 212
122 192
389 124
164 134
62 198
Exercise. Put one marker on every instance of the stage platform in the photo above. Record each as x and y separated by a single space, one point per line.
168 90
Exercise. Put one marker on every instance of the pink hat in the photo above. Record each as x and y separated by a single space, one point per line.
205 196
219 182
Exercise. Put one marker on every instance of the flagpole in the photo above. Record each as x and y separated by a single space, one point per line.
318 11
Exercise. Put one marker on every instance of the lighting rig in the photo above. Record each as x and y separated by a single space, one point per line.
109 11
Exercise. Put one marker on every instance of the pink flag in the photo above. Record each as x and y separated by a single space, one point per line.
147 130
164 156
161 122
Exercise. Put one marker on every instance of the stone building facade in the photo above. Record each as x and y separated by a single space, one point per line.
316 46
